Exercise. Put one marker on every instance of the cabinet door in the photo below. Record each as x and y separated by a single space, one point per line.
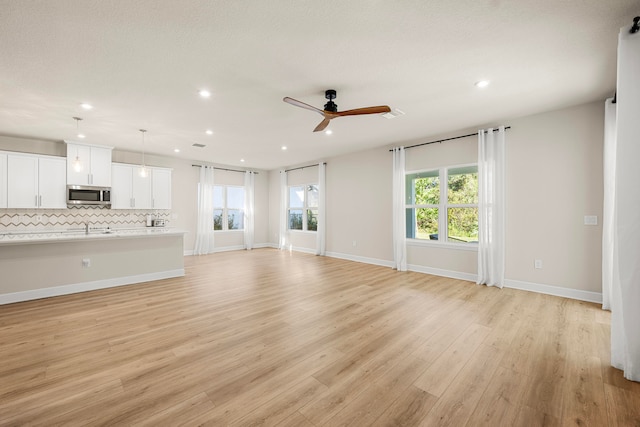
101 167
121 183
78 173
22 181
141 190
161 188
3 180
52 183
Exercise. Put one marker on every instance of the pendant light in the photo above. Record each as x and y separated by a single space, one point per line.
143 167
77 164
78 133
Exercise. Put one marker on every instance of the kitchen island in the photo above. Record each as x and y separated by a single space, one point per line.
41 264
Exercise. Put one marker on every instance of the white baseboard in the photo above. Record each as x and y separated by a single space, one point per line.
443 273
366 260
87 286
555 290
233 248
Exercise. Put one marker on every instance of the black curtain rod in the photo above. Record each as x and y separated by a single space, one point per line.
223 169
302 167
449 139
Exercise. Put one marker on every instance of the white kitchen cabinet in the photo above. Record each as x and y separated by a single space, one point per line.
36 182
3 180
161 188
94 166
128 189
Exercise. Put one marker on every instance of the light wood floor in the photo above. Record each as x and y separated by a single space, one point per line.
269 337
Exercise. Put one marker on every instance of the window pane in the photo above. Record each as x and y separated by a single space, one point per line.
296 197
462 225
217 197
423 188
235 219
295 219
312 196
312 220
424 224
217 219
235 197
463 185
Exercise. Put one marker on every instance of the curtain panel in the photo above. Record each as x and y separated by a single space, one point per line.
283 238
321 232
249 215
399 211
491 206
204 228
625 289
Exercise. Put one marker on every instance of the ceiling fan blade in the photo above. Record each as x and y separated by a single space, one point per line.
323 124
367 110
302 105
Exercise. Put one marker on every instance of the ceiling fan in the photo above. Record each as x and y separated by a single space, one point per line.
331 109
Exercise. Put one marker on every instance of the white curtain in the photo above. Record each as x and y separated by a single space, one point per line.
609 171
283 243
204 227
249 196
399 211
625 289
491 206
321 233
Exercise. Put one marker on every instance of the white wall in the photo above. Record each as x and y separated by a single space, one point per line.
554 179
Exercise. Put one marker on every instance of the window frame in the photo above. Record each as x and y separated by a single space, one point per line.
225 209
305 208
443 206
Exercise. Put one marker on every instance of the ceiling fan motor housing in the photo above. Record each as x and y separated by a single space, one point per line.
330 94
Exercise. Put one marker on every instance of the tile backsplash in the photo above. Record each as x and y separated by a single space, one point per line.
75 217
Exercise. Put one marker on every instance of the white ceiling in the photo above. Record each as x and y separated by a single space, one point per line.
142 62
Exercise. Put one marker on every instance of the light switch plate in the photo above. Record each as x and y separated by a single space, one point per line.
590 220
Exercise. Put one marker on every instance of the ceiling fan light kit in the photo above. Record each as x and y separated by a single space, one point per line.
331 109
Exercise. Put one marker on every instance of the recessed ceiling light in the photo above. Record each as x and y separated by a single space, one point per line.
204 93
328 131
176 150
241 160
86 106
81 135
284 147
209 132
482 83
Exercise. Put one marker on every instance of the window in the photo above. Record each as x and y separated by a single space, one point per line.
442 204
228 208
302 212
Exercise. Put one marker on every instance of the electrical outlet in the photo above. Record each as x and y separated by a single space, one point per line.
86 262
537 263
355 243
591 220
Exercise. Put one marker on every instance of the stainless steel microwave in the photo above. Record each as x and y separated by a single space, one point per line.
85 195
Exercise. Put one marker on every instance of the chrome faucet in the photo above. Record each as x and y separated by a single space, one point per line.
86 227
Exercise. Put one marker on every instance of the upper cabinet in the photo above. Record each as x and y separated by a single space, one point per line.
161 188
131 191
3 180
88 165
36 181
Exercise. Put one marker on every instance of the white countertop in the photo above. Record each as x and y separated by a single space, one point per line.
50 236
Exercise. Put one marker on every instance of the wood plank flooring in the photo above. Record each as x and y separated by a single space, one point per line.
272 338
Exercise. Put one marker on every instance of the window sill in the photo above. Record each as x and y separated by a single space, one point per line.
443 245
302 231
228 231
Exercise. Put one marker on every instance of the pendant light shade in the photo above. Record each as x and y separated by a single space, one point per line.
143 168
77 164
